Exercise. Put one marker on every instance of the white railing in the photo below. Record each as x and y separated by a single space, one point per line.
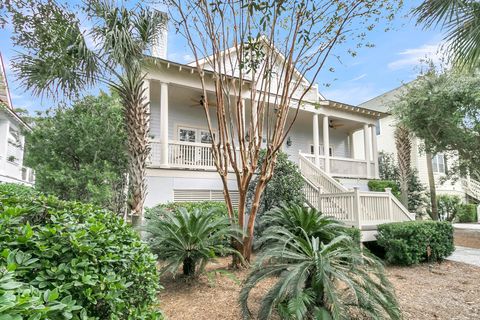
190 155
472 187
352 207
318 177
343 167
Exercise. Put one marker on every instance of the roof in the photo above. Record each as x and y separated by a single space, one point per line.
354 109
382 102
5 96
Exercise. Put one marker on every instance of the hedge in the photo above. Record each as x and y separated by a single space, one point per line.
467 213
412 242
84 260
381 185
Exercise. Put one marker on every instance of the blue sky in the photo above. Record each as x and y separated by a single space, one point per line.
393 60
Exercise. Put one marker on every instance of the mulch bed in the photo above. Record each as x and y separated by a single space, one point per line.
449 290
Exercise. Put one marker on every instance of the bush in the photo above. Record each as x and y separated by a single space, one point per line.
189 238
381 185
448 206
219 207
77 252
286 185
412 242
467 213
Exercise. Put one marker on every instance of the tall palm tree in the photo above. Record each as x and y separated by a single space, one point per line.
403 144
461 20
62 58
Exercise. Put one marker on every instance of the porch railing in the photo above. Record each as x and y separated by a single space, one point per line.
344 167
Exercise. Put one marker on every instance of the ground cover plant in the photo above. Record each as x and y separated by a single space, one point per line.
78 255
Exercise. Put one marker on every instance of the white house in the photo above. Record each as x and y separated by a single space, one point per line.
181 166
12 141
463 188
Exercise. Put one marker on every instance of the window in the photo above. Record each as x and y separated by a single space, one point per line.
194 135
320 150
377 127
438 163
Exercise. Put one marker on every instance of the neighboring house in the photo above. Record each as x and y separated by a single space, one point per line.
386 142
181 165
12 141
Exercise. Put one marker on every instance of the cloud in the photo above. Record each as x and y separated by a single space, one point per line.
414 56
358 78
187 58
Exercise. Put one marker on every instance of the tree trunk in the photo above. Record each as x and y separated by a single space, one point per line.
189 267
431 183
403 144
136 117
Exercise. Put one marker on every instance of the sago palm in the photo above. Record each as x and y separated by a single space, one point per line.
299 220
189 238
317 280
461 20
56 60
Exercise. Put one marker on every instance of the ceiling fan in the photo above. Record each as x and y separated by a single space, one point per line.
333 125
200 102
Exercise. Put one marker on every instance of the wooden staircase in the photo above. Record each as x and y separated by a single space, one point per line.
362 209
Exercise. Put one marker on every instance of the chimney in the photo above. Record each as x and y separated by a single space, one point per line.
159 47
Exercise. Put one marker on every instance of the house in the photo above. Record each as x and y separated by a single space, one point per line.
12 140
464 188
181 166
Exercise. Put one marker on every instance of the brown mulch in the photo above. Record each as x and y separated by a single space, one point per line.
467 238
450 290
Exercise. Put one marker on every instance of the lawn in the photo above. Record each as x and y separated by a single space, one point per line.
442 291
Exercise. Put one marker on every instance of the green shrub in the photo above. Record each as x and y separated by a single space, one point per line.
467 213
411 242
219 206
448 206
80 252
380 185
189 238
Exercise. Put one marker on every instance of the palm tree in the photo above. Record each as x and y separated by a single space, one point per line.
190 238
317 280
461 20
57 60
403 144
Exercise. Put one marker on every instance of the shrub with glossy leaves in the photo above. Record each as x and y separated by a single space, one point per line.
467 213
189 238
412 242
81 253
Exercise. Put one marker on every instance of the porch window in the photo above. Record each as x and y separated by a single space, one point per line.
187 134
320 150
438 163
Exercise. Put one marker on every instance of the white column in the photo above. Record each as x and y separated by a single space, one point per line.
375 150
164 124
316 140
326 143
366 143
351 146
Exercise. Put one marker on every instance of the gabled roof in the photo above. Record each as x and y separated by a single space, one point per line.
263 39
5 98
381 103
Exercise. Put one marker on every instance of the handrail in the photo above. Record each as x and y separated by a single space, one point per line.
329 184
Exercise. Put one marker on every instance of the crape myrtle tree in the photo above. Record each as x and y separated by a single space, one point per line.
258 55
55 59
